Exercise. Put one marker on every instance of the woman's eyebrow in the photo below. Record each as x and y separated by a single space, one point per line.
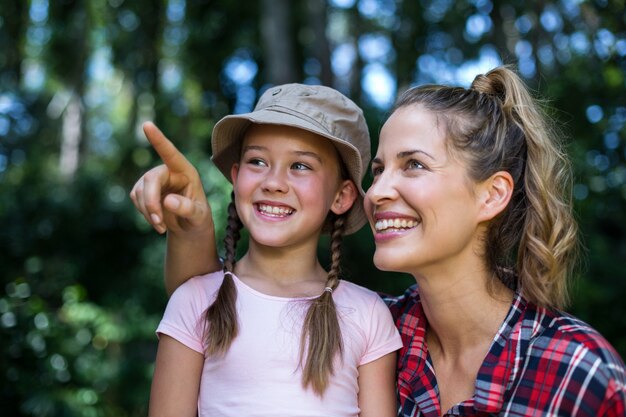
405 154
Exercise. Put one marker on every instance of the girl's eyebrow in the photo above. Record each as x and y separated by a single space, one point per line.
309 154
253 148
298 153
404 154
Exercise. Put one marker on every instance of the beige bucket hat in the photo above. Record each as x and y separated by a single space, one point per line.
318 109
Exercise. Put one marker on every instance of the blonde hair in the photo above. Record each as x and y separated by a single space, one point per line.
496 125
321 339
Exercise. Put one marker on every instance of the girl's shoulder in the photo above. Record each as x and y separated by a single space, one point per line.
347 290
199 287
351 296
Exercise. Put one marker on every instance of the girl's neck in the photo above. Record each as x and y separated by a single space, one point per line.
282 272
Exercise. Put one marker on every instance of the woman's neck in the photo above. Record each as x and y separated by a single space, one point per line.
462 310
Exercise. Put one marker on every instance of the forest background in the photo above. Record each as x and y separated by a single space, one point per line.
81 272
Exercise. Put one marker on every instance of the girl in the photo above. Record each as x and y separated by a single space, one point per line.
274 334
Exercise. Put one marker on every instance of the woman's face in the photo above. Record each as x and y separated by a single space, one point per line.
422 205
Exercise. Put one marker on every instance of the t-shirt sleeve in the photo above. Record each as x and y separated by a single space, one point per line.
183 318
382 335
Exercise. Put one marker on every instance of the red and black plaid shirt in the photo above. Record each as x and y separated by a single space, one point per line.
541 363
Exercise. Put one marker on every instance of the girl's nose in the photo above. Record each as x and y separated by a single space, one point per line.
275 181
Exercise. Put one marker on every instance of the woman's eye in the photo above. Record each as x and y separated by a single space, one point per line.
413 164
377 170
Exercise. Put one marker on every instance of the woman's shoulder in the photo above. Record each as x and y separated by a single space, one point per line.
568 339
406 304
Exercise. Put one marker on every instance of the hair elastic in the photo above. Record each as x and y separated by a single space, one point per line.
328 289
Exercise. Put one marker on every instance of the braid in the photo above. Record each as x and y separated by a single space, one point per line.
336 239
221 325
321 333
233 228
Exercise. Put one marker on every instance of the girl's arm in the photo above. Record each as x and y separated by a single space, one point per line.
171 198
176 380
188 256
377 387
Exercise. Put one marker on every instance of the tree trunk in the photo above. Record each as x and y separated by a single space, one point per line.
71 132
320 47
278 42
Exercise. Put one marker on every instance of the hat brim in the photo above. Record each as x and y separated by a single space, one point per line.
226 148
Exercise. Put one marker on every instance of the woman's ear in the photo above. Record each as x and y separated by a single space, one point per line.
234 170
495 194
345 197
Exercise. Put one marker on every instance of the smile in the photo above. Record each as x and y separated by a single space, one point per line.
274 211
394 224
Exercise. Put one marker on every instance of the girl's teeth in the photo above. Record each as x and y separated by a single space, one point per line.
280 211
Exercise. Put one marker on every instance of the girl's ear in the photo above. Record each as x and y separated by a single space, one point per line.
345 197
495 194
234 170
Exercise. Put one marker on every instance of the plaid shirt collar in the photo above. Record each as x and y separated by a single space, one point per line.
417 385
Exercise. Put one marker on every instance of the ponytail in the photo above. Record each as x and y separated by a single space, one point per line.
221 317
321 334
548 242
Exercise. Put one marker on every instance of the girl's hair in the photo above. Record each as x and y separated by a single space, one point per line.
497 126
221 316
321 337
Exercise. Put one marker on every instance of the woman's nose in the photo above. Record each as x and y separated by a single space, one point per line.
382 189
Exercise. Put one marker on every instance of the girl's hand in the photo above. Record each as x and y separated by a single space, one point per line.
170 196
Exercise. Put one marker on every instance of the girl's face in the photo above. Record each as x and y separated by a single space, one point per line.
422 206
286 183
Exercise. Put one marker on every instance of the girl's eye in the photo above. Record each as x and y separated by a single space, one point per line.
300 166
377 170
257 161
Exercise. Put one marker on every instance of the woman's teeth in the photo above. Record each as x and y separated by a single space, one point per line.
386 224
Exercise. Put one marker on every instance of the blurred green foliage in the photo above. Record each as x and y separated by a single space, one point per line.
81 273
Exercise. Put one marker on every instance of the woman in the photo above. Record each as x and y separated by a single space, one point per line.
483 189
471 197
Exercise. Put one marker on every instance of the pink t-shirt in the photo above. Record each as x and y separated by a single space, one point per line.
259 376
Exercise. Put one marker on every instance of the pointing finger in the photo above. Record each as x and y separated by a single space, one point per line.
169 154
